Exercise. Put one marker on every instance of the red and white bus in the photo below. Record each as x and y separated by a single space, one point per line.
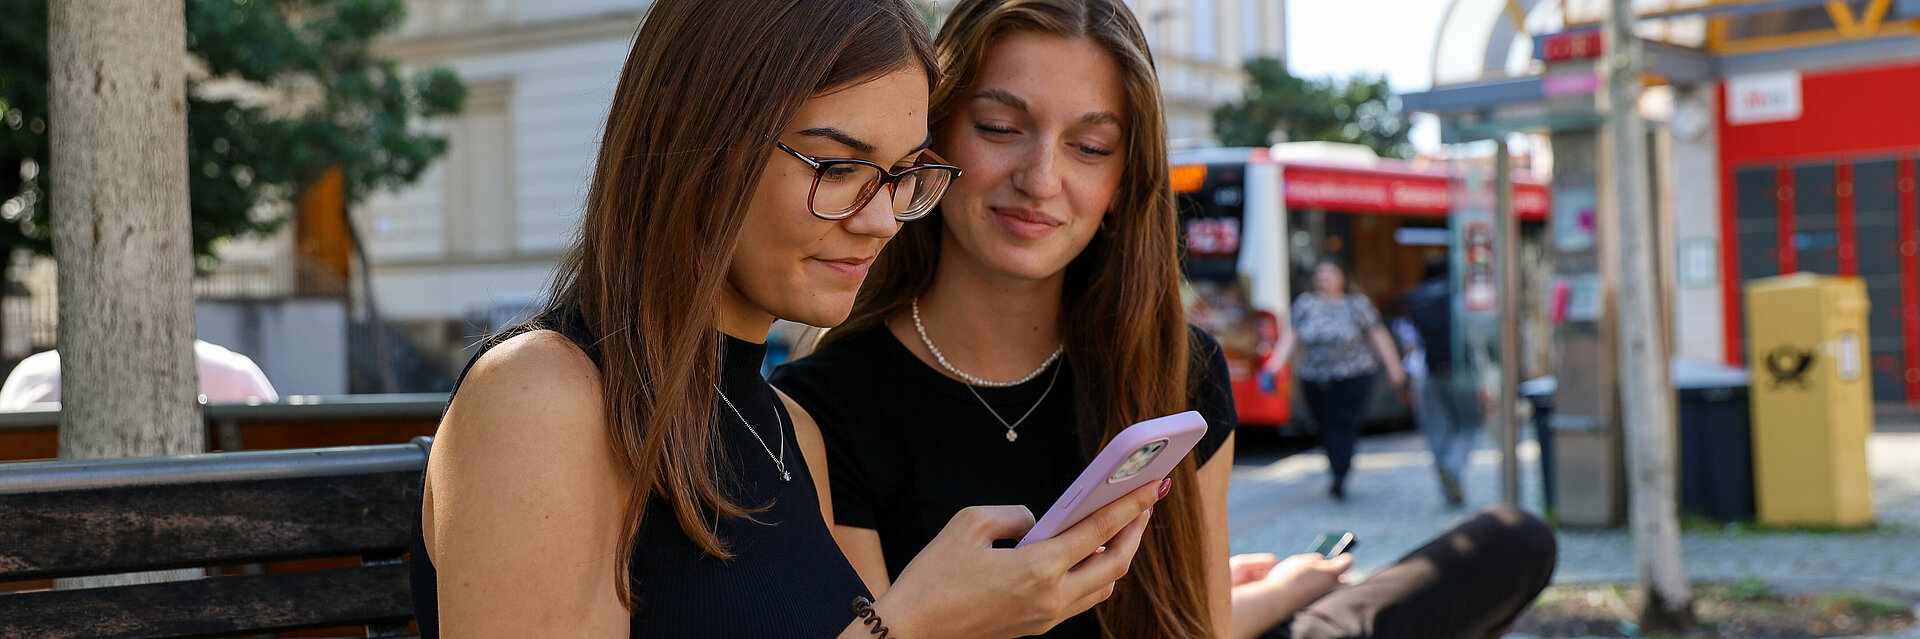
1255 220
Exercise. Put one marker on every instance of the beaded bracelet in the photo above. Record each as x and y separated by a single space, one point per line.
863 612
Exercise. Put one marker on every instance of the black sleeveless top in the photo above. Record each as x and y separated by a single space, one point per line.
909 447
787 577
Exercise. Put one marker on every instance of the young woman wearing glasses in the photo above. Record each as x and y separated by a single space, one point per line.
617 467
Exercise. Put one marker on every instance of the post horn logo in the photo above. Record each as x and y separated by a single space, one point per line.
1789 365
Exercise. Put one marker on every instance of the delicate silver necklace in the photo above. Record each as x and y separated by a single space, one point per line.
779 461
976 381
1023 418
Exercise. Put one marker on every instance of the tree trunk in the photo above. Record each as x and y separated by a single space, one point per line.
121 236
1646 390
121 229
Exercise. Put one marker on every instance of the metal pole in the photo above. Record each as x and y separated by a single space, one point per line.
1646 392
1507 247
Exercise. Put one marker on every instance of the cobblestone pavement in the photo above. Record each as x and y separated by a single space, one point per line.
1393 505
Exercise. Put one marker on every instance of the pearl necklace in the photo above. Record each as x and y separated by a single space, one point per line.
976 381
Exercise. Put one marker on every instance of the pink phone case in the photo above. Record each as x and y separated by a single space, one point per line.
1095 488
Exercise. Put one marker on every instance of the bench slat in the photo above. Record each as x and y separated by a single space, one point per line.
102 530
220 606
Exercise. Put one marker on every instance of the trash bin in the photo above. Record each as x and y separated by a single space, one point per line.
1812 400
1716 452
1716 443
1583 449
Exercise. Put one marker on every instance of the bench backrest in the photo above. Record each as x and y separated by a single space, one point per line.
80 518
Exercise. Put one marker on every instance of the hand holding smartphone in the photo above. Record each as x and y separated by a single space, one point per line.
1144 452
1330 545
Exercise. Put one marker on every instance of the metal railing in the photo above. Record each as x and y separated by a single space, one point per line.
293 408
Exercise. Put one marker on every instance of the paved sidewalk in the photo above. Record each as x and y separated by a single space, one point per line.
1394 504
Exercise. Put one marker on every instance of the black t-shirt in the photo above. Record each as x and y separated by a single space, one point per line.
908 447
787 577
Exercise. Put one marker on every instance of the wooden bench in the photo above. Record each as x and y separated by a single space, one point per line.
222 510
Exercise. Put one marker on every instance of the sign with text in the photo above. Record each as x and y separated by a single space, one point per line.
1570 46
1348 190
1760 98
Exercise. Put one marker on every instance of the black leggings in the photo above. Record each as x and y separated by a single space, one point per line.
1337 407
1471 582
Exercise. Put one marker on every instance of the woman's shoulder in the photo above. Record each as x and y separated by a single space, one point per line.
839 359
1362 304
1204 346
540 362
538 390
1207 361
848 386
522 478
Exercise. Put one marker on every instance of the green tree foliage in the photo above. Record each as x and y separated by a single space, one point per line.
1360 110
278 91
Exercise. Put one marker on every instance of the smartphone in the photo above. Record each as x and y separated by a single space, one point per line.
1330 545
1143 453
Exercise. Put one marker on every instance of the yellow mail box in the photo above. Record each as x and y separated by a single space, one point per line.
1812 400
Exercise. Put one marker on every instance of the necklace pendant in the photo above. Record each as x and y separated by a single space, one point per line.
786 476
1012 435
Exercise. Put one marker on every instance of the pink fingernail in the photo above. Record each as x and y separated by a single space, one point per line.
1166 486
1148 513
1099 550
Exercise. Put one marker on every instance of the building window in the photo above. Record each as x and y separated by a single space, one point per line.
479 174
1250 30
1206 29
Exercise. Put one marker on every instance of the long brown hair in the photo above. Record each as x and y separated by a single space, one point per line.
1122 320
706 89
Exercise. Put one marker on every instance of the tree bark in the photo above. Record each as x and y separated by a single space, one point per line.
1646 390
121 232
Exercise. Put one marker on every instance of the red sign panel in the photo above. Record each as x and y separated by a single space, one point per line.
1336 190
1571 46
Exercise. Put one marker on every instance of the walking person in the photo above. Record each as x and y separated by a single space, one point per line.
1445 406
1337 343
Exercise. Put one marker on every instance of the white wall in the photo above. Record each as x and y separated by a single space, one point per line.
420 292
558 85
1699 322
301 344
558 104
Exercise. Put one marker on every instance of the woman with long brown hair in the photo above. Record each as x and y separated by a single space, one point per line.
1041 299
617 467
1037 313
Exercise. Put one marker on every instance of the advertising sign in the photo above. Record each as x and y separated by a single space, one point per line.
1760 98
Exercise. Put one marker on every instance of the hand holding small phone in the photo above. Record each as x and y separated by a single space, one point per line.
1331 545
1273 588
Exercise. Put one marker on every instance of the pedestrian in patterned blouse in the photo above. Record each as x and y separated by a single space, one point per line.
1338 344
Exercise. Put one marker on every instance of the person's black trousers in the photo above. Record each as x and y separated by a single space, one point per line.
1471 582
1337 407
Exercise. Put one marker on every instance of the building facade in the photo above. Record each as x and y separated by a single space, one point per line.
1782 138
474 243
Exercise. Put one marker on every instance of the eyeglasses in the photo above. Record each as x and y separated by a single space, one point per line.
842 186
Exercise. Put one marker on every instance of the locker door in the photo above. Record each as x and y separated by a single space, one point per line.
1877 226
1756 228
1816 226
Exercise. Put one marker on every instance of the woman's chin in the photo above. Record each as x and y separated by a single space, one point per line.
825 313
1027 266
